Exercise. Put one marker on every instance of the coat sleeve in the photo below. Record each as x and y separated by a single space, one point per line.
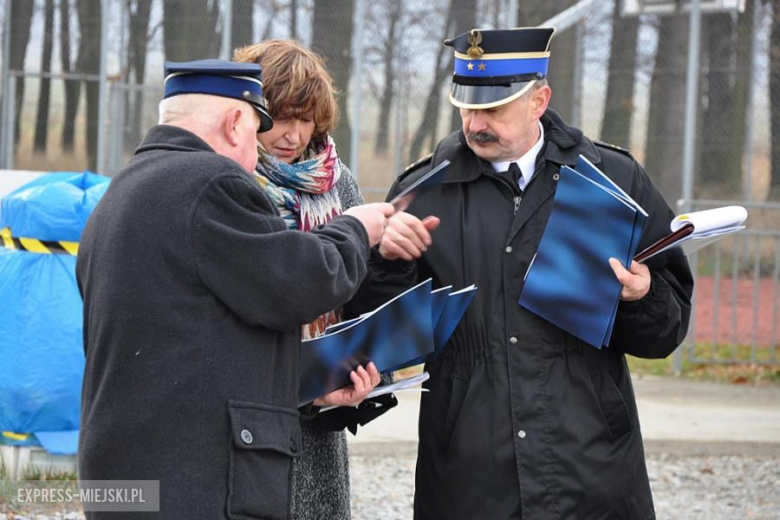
266 274
655 325
384 280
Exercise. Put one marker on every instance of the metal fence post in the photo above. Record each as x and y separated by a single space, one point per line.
747 185
6 80
355 95
227 29
101 152
9 130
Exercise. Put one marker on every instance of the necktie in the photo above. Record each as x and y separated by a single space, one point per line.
516 175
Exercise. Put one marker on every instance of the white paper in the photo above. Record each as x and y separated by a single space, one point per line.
404 384
704 222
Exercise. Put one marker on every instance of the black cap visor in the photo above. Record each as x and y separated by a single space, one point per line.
261 105
487 96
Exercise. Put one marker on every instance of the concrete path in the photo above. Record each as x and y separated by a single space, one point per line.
677 414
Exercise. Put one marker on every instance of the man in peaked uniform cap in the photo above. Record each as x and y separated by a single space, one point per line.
194 294
524 420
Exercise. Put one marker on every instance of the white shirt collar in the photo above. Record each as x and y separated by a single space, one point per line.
527 162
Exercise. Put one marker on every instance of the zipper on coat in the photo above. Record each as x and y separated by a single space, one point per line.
517 200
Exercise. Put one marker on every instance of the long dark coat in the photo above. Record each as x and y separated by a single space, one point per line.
522 419
194 295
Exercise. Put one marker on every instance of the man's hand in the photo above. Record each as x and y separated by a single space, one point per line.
636 282
374 218
363 381
406 236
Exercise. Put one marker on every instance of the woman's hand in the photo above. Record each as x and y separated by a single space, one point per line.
363 381
407 237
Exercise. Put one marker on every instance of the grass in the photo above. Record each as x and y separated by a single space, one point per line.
743 371
730 364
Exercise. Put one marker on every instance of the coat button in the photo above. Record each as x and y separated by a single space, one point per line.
521 434
513 340
508 249
556 176
293 445
246 436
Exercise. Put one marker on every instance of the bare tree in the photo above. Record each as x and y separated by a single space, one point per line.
139 15
464 19
72 87
430 119
619 103
564 51
190 29
241 26
717 94
332 38
42 119
21 22
293 19
393 15
774 97
88 62
664 148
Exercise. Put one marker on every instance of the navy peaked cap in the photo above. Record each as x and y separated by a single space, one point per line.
219 78
494 67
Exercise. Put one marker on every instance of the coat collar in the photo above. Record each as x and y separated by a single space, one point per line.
563 144
168 137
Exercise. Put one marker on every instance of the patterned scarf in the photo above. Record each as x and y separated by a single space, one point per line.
305 194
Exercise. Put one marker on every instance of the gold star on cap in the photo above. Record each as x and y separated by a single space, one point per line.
481 66
470 66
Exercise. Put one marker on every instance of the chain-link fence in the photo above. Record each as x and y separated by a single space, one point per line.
70 103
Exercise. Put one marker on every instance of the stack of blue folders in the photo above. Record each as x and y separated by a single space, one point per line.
408 330
570 282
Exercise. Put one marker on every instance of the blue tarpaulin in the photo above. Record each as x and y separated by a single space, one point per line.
41 351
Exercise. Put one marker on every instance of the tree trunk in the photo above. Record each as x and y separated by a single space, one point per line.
464 19
774 97
430 119
137 47
332 38
293 19
72 86
241 32
42 122
666 120
717 91
21 22
619 102
88 62
386 103
190 29
742 85
563 52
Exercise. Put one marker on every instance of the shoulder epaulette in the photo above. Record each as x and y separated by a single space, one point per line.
416 164
613 147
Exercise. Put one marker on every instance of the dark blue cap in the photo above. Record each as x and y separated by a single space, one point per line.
494 67
219 78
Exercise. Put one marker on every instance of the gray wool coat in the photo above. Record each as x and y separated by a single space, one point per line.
194 294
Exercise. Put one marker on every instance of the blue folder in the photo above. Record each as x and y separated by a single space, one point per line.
452 308
394 333
570 282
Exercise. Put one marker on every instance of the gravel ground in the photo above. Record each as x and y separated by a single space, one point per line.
701 487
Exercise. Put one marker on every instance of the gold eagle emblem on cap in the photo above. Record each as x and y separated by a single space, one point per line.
475 38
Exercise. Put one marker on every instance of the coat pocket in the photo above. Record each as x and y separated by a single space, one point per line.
613 405
460 387
264 441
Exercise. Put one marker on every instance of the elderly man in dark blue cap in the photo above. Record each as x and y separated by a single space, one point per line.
194 294
524 420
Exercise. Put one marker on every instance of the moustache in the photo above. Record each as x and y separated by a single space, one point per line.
482 137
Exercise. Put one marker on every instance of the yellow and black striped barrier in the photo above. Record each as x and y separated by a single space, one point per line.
33 245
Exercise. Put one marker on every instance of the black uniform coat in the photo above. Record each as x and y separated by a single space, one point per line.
522 419
194 294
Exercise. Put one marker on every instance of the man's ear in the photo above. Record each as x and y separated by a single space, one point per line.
540 98
232 128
